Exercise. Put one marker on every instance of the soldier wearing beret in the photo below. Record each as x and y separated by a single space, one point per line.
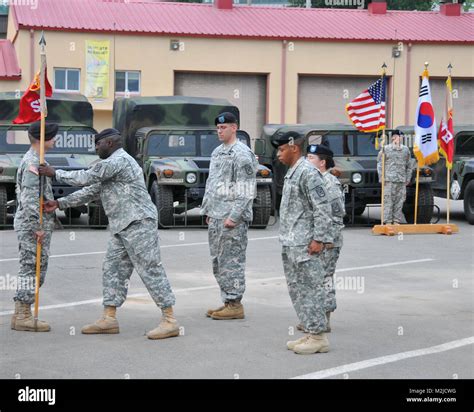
27 227
118 181
321 157
227 203
397 176
305 232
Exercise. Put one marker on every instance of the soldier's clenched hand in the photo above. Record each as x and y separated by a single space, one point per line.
46 171
39 235
315 247
229 224
50 206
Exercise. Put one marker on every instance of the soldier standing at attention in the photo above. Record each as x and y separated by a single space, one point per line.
398 172
305 231
118 181
227 203
27 227
321 157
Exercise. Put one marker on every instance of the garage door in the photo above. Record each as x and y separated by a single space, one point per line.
463 104
247 92
322 99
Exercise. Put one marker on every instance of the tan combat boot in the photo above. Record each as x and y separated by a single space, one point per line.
313 344
292 343
211 311
107 324
23 320
231 310
328 327
168 326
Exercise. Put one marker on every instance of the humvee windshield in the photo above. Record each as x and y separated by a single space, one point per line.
465 145
67 141
186 144
343 144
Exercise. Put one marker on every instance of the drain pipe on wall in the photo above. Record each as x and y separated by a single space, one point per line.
283 81
407 85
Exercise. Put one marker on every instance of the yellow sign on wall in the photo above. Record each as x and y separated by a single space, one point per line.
97 68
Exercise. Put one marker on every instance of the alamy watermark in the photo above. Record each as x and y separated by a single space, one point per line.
33 4
347 3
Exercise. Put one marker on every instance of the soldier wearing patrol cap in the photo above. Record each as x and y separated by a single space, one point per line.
305 231
398 171
321 157
27 227
118 181
227 203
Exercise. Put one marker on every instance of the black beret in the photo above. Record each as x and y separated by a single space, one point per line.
106 133
319 149
399 132
280 140
225 117
50 130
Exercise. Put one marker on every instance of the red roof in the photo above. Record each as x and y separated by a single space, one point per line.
9 69
205 20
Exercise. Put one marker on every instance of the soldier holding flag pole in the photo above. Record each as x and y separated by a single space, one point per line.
33 228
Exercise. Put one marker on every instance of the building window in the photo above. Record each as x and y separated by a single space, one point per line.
66 80
127 82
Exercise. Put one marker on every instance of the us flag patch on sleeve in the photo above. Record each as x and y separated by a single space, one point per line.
33 169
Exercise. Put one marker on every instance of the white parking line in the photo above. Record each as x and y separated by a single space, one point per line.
251 281
162 247
369 363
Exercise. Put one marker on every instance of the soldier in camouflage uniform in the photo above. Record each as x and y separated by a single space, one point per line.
321 157
118 181
305 232
398 170
227 203
28 228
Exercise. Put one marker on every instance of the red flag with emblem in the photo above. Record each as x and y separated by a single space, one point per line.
30 107
446 128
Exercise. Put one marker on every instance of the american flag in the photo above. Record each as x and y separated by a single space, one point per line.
367 111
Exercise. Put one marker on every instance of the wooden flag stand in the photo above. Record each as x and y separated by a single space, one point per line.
424 228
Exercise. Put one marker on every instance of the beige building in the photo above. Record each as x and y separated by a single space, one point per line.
277 65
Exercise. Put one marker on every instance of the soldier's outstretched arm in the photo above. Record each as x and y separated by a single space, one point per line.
100 172
321 208
81 197
245 190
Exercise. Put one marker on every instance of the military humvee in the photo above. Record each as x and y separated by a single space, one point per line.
462 173
74 148
356 155
172 138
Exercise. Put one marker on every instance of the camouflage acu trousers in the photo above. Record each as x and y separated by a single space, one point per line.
330 260
305 280
228 252
137 246
394 196
27 273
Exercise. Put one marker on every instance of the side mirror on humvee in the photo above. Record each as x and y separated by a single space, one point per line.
259 147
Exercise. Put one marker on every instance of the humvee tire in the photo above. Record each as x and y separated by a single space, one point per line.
3 206
425 205
262 207
162 197
469 202
72 213
97 218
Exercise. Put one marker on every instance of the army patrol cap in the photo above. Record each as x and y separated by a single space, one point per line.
50 130
225 117
106 133
285 138
319 149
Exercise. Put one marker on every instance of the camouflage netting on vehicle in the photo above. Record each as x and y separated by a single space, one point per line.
131 114
62 108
